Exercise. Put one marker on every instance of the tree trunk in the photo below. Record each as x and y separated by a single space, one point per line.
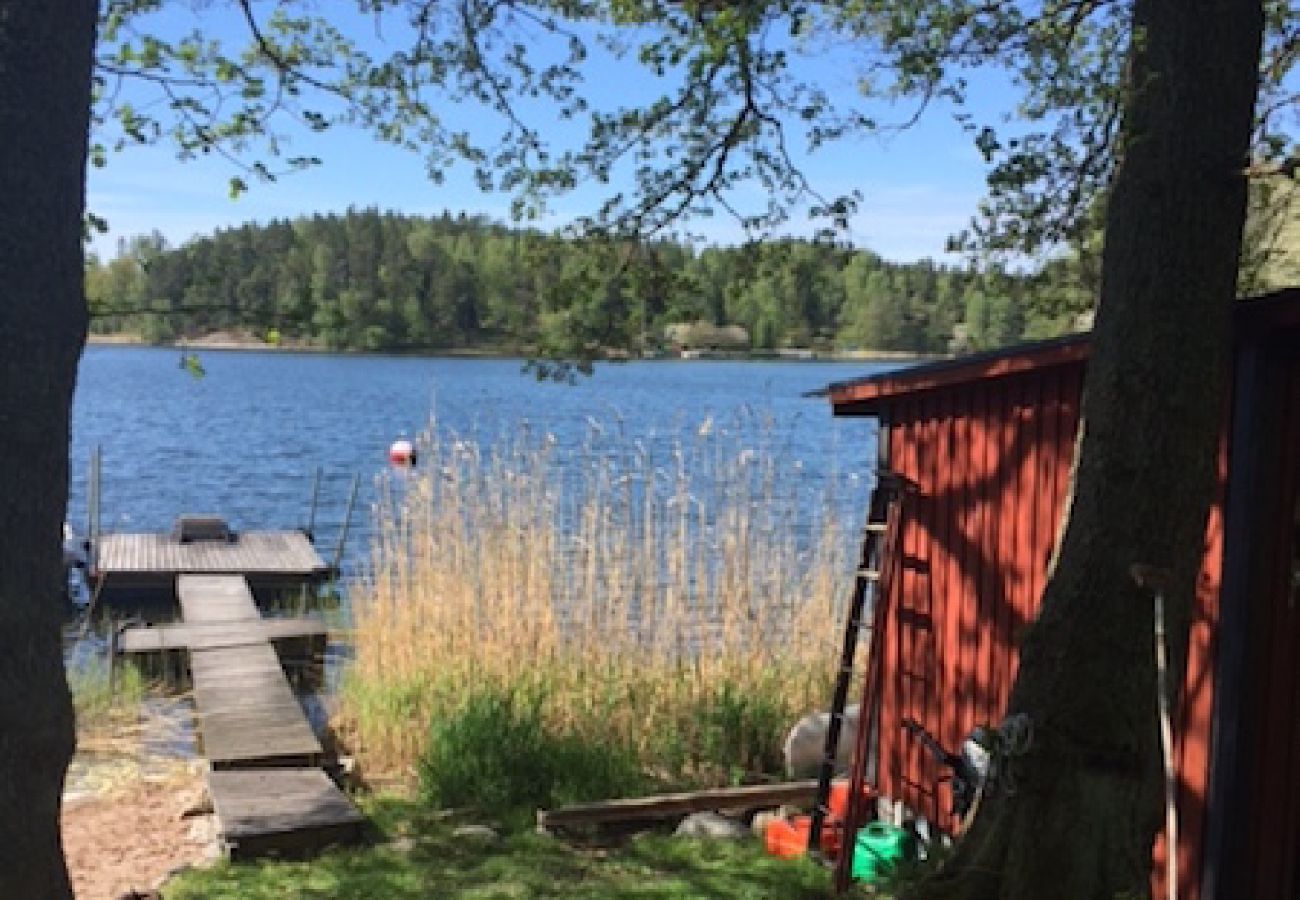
1079 817
45 64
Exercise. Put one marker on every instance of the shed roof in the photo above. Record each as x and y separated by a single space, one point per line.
866 396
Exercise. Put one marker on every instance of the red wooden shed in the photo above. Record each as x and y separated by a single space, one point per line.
989 440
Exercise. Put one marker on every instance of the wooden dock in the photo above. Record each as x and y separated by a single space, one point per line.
268 790
122 563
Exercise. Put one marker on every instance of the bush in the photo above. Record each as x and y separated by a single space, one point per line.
497 755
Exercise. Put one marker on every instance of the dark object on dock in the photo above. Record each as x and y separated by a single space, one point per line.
188 529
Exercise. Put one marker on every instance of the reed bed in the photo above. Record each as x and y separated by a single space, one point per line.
677 597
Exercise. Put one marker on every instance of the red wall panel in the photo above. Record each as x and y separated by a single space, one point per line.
992 461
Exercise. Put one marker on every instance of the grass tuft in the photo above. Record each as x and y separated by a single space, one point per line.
497 755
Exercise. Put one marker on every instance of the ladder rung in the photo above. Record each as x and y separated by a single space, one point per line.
869 574
877 527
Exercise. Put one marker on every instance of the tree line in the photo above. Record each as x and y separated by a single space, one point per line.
372 280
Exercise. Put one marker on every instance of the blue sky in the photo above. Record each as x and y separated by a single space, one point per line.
918 186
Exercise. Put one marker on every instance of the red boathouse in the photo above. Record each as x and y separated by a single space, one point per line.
989 440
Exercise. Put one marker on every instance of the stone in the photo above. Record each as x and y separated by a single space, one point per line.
203 829
805 745
713 826
404 844
196 803
475 833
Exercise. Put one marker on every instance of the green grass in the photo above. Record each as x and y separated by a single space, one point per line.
496 754
521 865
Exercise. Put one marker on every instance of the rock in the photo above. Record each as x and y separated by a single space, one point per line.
203 829
196 804
404 844
806 743
475 833
713 826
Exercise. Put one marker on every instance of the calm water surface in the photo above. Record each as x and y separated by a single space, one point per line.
244 440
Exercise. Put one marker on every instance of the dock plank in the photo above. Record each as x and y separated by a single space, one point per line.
281 810
215 598
248 715
211 635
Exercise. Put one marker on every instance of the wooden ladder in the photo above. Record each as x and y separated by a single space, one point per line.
876 565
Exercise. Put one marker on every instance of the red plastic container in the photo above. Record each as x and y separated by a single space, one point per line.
788 838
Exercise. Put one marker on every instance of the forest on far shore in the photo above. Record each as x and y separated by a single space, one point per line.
384 281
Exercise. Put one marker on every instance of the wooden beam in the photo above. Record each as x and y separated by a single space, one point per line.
210 635
664 806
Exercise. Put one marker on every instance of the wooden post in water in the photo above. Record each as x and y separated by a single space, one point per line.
347 522
310 530
92 506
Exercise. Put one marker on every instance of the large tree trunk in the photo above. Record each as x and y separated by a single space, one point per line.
1086 804
45 62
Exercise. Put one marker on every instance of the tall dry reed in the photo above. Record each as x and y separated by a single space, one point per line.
680 598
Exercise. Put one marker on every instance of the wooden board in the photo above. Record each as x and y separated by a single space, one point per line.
251 553
281 811
211 635
665 806
215 598
248 715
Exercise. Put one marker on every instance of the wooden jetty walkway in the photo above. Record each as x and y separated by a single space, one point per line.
268 789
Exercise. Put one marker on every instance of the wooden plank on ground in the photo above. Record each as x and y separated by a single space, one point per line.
211 635
281 811
665 806
215 598
248 715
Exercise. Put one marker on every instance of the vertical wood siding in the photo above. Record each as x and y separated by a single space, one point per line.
992 460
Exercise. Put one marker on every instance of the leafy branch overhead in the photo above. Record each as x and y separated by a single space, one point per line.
722 102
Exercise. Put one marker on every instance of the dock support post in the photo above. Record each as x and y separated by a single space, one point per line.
310 530
92 506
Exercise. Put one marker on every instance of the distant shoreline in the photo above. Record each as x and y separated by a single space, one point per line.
234 342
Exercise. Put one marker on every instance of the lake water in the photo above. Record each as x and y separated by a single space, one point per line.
244 440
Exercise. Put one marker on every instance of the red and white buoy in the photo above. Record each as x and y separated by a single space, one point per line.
402 453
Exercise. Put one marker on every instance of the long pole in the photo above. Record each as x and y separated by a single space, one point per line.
347 521
92 508
315 496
